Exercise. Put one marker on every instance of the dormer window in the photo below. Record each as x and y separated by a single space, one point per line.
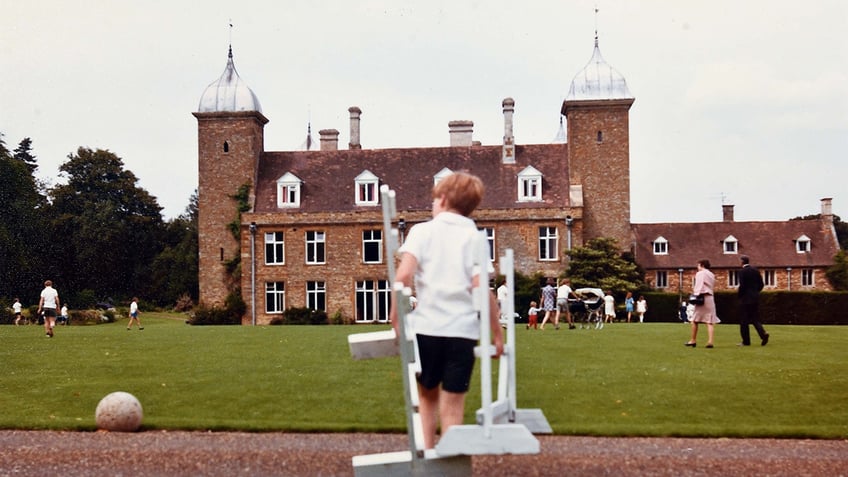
366 189
441 175
802 244
660 246
530 185
288 191
730 244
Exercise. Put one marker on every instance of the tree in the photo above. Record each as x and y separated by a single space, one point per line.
22 230
107 228
837 274
600 264
174 271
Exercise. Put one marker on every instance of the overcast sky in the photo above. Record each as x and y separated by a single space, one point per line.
737 102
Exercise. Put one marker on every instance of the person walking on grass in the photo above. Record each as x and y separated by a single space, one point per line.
564 292
134 315
706 311
548 301
49 303
16 309
641 308
750 285
440 257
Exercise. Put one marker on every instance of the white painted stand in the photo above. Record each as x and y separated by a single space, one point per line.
501 428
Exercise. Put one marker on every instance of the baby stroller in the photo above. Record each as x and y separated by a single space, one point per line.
587 308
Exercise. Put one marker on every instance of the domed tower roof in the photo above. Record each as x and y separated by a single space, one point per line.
598 80
228 93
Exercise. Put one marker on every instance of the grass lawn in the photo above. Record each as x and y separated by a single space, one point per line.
624 380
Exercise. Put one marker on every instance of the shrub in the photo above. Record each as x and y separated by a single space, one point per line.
234 308
301 316
184 303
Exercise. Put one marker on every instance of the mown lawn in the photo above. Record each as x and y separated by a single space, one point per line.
624 380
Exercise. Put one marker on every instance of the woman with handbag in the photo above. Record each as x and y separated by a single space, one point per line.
704 312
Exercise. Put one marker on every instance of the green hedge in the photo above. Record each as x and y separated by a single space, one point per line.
776 307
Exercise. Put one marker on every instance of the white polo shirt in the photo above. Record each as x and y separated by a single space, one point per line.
444 249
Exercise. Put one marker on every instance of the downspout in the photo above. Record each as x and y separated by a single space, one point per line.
569 223
253 273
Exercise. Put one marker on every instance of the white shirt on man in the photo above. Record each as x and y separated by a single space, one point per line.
50 296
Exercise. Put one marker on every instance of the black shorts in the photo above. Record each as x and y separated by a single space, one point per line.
448 361
50 312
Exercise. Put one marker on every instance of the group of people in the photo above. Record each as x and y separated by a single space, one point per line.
48 308
555 302
750 285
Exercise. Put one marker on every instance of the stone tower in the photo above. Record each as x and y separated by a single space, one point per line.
597 113
230 130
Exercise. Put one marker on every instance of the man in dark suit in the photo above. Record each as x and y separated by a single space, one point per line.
750 284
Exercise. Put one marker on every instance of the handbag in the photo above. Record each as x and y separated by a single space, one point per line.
696 299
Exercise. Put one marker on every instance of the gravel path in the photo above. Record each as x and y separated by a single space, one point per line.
168 453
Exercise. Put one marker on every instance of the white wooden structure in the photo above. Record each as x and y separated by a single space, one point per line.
500 427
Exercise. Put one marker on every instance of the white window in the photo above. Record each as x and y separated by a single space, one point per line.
366 189
372 301
807 277
288 190
769 278
660 246
490 237
372 246
662 279
733 278
275 250
730 244
548 244
529 185
441 175
316 243
316 296
802 244
275 297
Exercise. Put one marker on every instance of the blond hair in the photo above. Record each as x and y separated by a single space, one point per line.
463 192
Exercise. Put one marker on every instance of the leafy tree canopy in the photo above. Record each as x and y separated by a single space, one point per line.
600 264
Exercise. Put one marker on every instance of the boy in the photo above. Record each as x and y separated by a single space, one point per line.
16 308
533 316
439 256
49 303
134 315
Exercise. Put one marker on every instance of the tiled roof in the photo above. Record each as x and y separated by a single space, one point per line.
328 176
769 244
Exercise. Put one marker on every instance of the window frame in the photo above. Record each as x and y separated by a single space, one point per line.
315 246
316 294
660 246
808 278
730 245
548 243
661 277
277 246
288 191
366 190
372 301
803 244
529 185
275 298
378 242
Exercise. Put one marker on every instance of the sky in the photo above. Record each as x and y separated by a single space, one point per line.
742 103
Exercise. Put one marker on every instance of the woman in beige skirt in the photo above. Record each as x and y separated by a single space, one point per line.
705 313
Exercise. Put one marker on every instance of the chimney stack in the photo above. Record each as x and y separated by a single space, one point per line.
827 211
727 212
460 133
508 156
329 139
355 113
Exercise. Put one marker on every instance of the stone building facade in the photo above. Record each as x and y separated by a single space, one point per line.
304 228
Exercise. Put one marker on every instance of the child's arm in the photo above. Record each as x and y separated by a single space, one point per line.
404 274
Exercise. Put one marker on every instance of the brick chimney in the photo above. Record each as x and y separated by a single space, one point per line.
508 156
329 139
355 113
726 212
827 211
460 133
